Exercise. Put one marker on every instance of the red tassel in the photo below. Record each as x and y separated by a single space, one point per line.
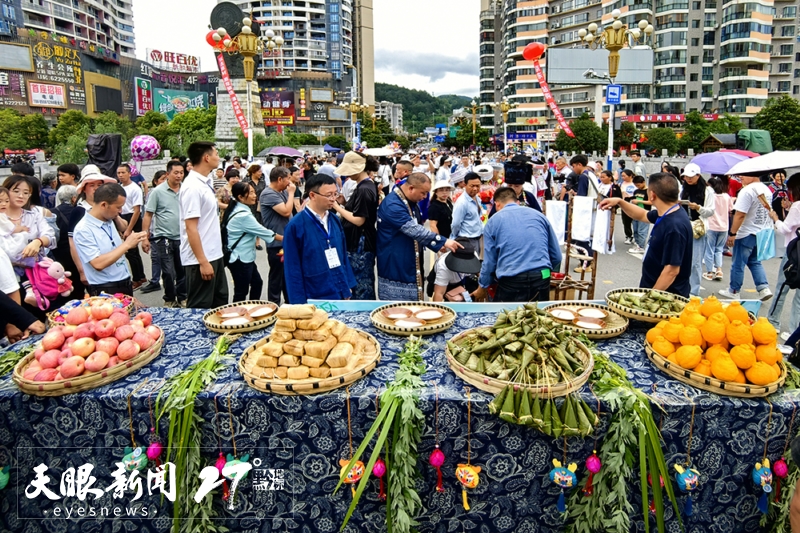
588 490
439 484
382 494
652 506
777 489
226 492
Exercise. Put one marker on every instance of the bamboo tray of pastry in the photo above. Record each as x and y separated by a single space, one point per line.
241 317
413 318
596 321
308 353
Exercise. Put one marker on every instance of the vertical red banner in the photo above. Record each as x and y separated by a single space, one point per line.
226 80
551 102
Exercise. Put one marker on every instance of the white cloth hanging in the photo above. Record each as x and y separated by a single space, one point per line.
582 211
557 216
602 230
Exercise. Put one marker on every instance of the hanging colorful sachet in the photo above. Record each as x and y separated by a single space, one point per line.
467 474
762 474
357 472
437 456
155 448
565 478
220 462
134 458
593 464
779 467
233 460
379 468
688 479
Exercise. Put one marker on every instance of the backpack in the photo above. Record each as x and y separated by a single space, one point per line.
226 250
791 270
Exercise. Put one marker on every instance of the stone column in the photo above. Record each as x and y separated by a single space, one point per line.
227 126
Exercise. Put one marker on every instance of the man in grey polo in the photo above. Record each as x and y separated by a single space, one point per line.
163 213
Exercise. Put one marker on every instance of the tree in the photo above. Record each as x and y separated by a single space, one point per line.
464 137
73 150
198 119
70 123
780 118
150 122
626 135
695 131
337 141
659 139
589 137
34 130
727 123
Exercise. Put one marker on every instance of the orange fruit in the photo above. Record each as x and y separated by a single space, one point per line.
761 374
672 330
663 347
689 356
710 306
715 329
735 311
703 367
724 369
768 353
764 332
715 351
738 332
744 355
690 336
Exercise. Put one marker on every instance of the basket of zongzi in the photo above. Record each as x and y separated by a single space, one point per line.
646 305
525 348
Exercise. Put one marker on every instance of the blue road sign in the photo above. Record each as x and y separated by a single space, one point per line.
614 94
439 139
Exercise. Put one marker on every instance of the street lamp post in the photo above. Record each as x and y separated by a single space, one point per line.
614 38
249 45
505 106
354 108
474 105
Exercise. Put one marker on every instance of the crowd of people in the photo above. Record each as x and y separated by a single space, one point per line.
356 226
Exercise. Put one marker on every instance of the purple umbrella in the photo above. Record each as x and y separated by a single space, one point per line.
285 151
717 162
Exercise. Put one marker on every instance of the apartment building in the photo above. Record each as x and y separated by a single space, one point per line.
323 36
102 23
714 56
391 113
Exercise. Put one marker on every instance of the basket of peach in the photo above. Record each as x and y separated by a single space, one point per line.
719 348
95 346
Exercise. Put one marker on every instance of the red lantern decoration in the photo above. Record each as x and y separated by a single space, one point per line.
216 45
533 51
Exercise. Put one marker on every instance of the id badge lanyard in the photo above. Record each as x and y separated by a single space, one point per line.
330 253
657 222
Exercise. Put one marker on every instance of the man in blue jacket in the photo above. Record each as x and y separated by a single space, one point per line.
315 252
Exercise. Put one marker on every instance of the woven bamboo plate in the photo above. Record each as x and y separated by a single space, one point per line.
712 384
305 387
86 302
84 382
493 386
214 323
635 314
616 324
430 328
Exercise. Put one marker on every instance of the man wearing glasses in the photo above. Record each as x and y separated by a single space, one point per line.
315 251
277 201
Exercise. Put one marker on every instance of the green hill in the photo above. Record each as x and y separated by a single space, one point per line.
420 109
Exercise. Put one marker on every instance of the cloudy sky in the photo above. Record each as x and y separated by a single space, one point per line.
431 45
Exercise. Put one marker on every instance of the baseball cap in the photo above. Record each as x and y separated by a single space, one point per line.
691 170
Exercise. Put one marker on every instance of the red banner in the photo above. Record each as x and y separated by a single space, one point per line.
226 80
551 102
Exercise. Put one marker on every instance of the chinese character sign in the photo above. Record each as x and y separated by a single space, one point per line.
277 107
144 96
172 103
173 62
46 95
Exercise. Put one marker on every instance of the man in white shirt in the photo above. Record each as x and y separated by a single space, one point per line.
201 240
267 167
638 164
132 214
750 215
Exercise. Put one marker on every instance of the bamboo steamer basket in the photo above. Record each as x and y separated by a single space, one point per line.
305 387
636 314
616 324
494 386
214 323
429 328
84 382
712 384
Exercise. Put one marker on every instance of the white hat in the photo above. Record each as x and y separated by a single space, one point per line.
441 184
88 170
91 173
448 159
484 171
691 170
458 175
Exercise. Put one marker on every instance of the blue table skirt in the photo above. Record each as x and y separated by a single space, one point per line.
306 436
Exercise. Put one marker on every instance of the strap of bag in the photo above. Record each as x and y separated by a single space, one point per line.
240 236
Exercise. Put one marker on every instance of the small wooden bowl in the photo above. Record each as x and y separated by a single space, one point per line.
563 315
231 312
593 312
397 313
409 322
586 322
429 314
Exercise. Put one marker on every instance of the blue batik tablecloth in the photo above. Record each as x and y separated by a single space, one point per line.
301 439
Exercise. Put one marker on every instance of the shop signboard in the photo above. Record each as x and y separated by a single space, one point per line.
171 103
144 96
277 107
47 95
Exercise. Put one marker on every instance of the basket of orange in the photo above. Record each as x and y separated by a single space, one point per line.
719 348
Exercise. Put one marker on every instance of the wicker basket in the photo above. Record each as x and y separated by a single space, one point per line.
616 323
430 328
214 323
712 384
494 386
84 382
305 387
635 314
87 302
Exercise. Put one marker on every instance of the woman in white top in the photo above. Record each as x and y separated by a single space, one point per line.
698 200
39 234
788 228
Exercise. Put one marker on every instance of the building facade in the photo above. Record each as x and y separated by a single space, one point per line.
713 56
10 17
104 24
391 113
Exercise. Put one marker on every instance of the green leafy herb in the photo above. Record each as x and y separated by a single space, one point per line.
176 400
10 359
402 420
632 437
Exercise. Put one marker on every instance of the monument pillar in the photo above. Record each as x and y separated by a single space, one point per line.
227 126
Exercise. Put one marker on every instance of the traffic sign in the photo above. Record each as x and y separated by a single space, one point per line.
439 139
614 94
